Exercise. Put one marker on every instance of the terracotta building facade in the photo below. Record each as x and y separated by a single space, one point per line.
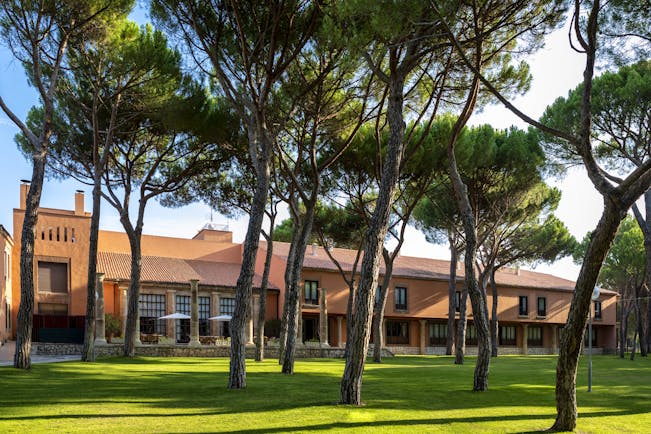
532 306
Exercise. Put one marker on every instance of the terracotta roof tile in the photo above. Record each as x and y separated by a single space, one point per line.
117 266
425 268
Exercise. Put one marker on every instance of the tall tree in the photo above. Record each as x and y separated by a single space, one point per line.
249 46
623 271
330 105
39 34
497 31
399 47
103 73
591 27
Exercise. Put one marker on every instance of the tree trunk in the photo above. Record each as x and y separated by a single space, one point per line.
461 329
292 294
131 331
351 382
494 318
22 356
574 329
259 342
477 296
623 330
378 314
288 281
639 322
648 320
237 373
349 314
88 350
452 296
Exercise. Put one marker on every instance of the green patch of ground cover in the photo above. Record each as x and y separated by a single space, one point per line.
404 394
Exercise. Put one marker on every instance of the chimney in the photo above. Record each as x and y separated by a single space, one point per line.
517 270
314 249
79 202
24 189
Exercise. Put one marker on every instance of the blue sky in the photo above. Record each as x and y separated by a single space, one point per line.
556 69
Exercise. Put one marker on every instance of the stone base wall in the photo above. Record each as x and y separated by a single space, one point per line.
112 350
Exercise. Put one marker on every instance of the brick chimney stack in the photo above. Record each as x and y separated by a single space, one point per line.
79 202
24 189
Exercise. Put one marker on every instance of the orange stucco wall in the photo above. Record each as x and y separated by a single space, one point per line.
5 286
153 245
61 236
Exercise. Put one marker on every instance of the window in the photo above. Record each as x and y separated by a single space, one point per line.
8 316
378 292
58 309
401 298
507 335
397 332
542 306
594 337
471 335
183 325
183 305
523 309
151 306
534 336
226 307
53 276
311 292
438 334
597 310
204 314
457 301
6 265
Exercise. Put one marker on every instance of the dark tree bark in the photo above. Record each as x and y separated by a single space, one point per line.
639 322
572 335
293 293
259 341
494 318
452 296
22 356
460 350
378 311
623 330
131 331
88 350
284 321
263 149
634 348
358 340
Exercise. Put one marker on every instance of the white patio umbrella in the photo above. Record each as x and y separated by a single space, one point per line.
175 316
221 318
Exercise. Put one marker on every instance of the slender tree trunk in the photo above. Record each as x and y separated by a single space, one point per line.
22 356
574 329
634 344
639 321
452 297
351 382
237 374
461 329
623 331
349 314
259 342
294 295
494 319
477 296
131 331
88 351
378 314
648 321
289 269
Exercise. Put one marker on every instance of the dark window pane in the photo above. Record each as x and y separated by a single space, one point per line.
542 306
311 292
524 305
401 298
397 332
53 276
152 306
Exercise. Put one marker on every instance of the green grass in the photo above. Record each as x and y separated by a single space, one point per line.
404 394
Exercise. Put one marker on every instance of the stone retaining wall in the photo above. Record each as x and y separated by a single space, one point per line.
109 350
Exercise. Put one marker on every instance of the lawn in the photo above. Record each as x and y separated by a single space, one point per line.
404 394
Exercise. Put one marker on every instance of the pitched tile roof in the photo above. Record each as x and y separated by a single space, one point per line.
316 258
157 269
